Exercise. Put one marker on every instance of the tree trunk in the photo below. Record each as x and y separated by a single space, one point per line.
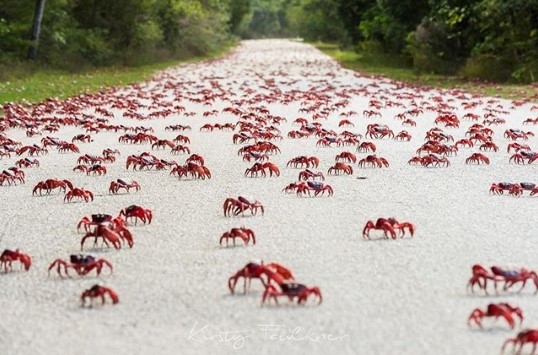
36 28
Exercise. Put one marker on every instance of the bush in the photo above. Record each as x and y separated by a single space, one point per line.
488 67
430 50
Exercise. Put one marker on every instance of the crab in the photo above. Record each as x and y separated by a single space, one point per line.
162 143
519 158
480 277
299 161
232 206
477 158
273 272
243 233
524 337
340 168
180 149
316 186
403 136
291 290
388 226
309 174
260 167
509 275
500 187
435 161
109 232
366 147
488 146
195 158
26 163
83 194
409 122
346 157
96 169
81 168
377 131
517 147
137 213
51 184
82 264
8 256
345 123
84 138
466 143
256 157
98 291
496 310
374 161
517 189
93 221
121 184
68 147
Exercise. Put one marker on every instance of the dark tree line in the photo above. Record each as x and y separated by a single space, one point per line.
104 32
491 39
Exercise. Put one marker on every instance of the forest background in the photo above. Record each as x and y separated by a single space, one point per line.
493 40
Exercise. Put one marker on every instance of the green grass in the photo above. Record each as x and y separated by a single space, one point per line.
42 84
396 68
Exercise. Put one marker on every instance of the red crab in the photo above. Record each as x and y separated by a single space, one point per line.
137 213
517 189
243 233
500 187
316 186
8 256
299 161
346 157
121 184
109 232
489 146
82 264
26 163
374 161
232 206
89 222
340 168
291 290
272 271
496 310
309 174
97 169
86 195
51 184
99 291
366 147
509 275
527 336
260 167
388 226
256 157
403 136
477 158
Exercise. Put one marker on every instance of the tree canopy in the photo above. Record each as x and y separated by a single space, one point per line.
491 39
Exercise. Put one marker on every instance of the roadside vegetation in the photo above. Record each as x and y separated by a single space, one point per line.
488 47
396 68
38 85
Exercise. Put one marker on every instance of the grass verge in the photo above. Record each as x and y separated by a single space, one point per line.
42 84
395 68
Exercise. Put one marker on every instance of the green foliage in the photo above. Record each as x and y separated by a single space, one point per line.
238 10
495 39
487 67
83 33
